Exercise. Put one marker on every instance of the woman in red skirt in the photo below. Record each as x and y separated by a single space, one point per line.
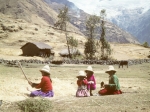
113 87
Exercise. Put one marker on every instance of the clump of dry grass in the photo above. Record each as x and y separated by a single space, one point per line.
35 105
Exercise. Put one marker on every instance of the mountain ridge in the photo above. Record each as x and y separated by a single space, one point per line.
40 13
78 18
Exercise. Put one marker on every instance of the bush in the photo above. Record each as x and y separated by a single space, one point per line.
35 105
146 44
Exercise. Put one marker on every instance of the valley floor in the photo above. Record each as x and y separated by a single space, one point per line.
134 82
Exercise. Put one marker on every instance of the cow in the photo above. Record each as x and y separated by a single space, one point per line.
123 62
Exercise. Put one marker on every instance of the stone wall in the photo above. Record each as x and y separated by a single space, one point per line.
68 61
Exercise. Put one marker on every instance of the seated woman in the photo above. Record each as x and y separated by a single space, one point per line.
113 87
82 85
91 79
45 85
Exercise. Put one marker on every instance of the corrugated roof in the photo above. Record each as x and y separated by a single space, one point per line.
40 45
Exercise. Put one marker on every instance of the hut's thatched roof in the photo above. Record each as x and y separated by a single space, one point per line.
40 45
72 51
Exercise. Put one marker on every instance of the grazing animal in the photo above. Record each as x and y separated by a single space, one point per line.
123 63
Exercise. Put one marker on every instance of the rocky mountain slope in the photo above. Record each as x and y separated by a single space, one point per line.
78 18
45 13
29 10
36 12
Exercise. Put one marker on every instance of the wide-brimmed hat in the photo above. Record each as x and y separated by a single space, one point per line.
110 68
81 74
89 68
46 69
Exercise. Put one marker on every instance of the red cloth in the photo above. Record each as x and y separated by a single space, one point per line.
82 82
45 84
106 92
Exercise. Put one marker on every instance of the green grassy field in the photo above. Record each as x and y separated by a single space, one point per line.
134 81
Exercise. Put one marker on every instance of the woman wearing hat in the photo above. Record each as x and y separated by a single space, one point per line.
113 87
45 85
91 79
82 85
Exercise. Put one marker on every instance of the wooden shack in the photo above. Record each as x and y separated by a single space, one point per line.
36 49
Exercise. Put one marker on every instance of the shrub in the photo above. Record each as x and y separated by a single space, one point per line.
146 44
35 105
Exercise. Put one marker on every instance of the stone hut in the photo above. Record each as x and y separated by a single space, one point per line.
36 49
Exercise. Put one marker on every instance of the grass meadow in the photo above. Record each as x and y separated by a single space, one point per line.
134 82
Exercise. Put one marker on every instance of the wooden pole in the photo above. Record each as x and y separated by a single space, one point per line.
23 71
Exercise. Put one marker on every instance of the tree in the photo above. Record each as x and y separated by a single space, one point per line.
73 43
105 46
62 23
90 47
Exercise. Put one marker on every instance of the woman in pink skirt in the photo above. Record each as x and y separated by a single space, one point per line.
82 85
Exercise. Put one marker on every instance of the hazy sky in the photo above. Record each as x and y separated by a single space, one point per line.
94 6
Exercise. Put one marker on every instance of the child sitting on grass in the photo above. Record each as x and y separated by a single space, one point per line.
82 85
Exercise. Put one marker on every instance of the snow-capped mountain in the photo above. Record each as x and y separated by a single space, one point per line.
127 17
135 21
141 28
127 14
